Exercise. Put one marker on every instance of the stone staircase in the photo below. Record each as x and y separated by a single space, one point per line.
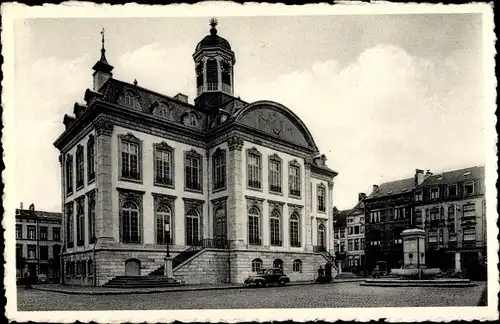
328 256
141 282
156 278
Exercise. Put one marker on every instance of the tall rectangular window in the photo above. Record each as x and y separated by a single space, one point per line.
44 252
294 180
362 243
80 169
452 190
349 245
130 160
43 233
192 172
356 229
91 211
275 175
69 225
56 234
19 231
419 195
375 217
253 170
19 251
80 218
69 174
90 159
219 169
31 232
321 199
163 167
434 193
356 244
31 251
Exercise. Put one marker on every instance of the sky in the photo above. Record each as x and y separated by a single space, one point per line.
381 94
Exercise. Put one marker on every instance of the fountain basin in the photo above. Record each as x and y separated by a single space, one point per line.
410 273
445 283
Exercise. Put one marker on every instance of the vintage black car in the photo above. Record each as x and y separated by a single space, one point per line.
264 277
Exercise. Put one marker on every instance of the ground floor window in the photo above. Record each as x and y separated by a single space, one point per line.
256 265
297 266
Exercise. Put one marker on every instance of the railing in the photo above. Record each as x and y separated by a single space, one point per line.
319 248
198 246
226 88
212 86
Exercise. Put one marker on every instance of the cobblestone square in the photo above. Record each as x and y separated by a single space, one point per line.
305 296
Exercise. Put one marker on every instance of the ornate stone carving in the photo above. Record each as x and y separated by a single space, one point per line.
330 185
294 208
295 163
129 194
103 127
275 157
159 199
163 146
61 158
219 202
130 137
307 163
235 143
193 152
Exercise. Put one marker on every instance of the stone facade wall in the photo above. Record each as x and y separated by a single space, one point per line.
208 267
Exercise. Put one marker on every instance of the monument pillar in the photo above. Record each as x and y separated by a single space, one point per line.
413 247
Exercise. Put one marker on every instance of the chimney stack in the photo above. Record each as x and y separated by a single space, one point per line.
428 173
32 207
361 196
419 176
375 187
181 97
21 207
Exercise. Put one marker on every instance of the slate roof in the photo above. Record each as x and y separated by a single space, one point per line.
26 213
340 218
393 188
213 41
450 177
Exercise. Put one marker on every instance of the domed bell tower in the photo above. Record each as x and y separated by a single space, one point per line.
214 61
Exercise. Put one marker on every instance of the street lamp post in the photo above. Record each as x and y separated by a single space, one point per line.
167 233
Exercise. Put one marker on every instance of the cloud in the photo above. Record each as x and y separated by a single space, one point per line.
45 91
377 118
382 116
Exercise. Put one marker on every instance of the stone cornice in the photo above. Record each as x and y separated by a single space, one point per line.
139 192
163 196
235 143
193 200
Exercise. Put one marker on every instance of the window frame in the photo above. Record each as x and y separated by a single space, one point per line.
80 221
419 195
256 265
275 187
321 203
455 188
188 155
472 184
296 244
91 215
31 229
136 197
169 201
130 139
68 173
292 193
54 231
275 238
219 170
297 265
44 229
250 182
69 237
19 230
91 159
434 193
80 167
195 230
254 230
158 149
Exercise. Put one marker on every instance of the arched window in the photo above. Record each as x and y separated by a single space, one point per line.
190 120
254 226
297 265
130 99
278 263
192 227
294 230
275 225
90 265
321 198
163 225
256 265
321 235
130 222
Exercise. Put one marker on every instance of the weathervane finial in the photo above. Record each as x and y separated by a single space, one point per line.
102 40
213 22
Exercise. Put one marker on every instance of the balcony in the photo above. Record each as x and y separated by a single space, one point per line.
164 181
212 86
275 188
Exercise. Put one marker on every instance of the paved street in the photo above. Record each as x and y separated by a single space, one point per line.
307 296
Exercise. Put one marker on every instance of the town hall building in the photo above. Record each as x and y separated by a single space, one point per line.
225 186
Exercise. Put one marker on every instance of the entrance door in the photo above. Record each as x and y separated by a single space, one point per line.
328 270
132 267
220 228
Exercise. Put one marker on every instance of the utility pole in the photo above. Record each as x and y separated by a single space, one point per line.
418 259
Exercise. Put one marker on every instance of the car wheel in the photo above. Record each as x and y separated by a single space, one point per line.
282 282
261 284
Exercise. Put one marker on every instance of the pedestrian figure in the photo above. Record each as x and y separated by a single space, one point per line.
375 272
27 279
